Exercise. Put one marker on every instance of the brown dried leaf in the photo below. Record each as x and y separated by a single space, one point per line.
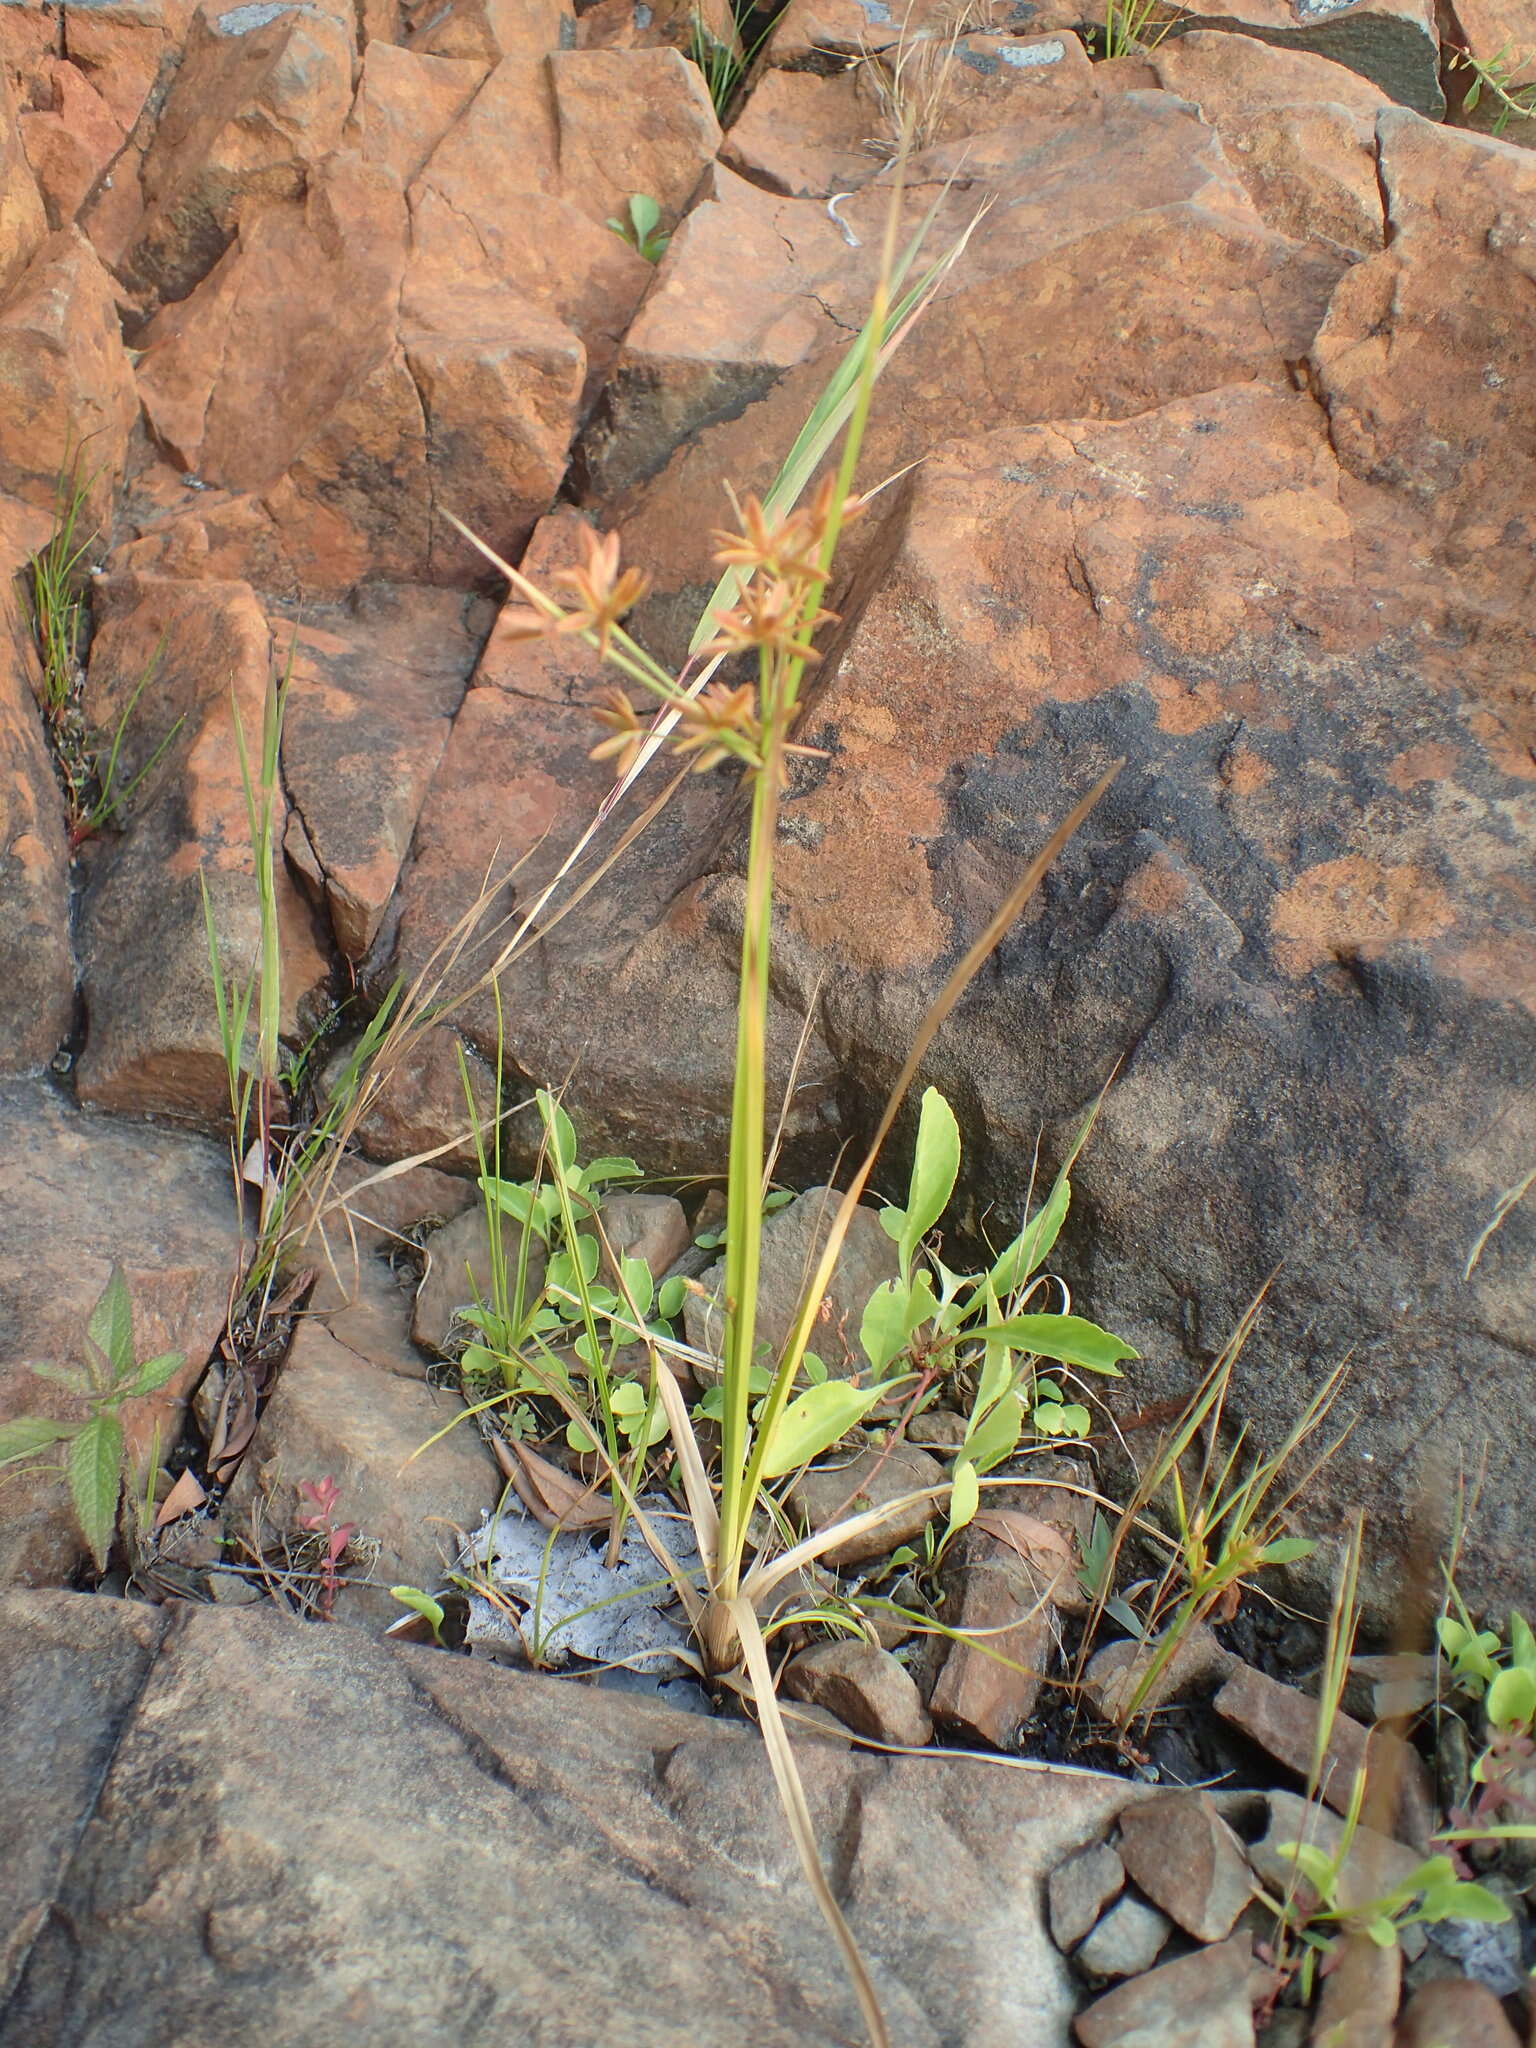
1036 1542
552 1496
183 1497
233 1427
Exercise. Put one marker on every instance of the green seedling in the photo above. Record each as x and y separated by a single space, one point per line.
641 228
96 1461
1498 1676
430 1610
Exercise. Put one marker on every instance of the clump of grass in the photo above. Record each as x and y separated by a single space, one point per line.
912 79
1220 1528
1132 27
88 766
724 61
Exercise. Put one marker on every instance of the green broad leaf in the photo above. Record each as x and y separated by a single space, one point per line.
710 1240
1382 1932
1061 1418
559 1130
1476 1902
935 1168
814 1368
1522 1644
670 1297
430 1610
628 1398
710 1406
517 1199
893 1222
1469 104
964 1494
1035 1242
29 1434
1453 1637
996 1436
1287 1550
645 214
601 1171
884 1328
813 1422
1314 1866
640 1285
579 1437
1070 1340
154 1372
997 1376
590 1353
95 1480
1511 1700
111 1325
71 1376
779 1198
1047 1390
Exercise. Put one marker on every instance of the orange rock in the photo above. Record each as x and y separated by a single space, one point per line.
70 139
154 1041
253 109
485 31
23 222
1394 43
36 969
405 105
67 379
236 379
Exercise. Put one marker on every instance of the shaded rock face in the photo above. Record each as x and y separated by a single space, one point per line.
1223 457
454 1832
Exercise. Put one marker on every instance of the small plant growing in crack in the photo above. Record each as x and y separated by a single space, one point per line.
97 1460
641 228
89 765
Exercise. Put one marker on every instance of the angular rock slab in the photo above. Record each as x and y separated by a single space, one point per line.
409 1847
1300 915
77 1193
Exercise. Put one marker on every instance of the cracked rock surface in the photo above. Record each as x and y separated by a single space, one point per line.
262 1832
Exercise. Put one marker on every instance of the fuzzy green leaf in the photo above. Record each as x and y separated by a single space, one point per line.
111 1324
95 1480
70 1376
154 1373
813 1422
29 1434
1070 1340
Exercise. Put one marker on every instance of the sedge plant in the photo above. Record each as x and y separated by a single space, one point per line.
778 564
